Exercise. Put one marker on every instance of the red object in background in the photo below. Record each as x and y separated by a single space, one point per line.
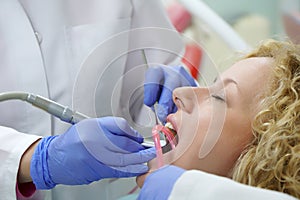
192 59
179 16
181 19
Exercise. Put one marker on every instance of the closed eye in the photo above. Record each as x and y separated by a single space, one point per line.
218 98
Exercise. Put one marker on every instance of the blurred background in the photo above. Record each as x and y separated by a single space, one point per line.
207 52
219 32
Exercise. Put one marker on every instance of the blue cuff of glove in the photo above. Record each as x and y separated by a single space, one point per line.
159 184
39 167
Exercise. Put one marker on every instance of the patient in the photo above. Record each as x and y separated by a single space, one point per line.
246 125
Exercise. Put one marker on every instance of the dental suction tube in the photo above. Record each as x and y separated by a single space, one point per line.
62 112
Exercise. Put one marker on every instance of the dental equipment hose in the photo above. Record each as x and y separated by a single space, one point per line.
62 112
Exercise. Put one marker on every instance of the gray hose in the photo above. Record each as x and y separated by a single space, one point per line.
62 112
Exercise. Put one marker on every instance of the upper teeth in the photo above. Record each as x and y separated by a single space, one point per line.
169 125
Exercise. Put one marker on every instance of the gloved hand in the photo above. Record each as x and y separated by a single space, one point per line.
159 184
88 151
159 84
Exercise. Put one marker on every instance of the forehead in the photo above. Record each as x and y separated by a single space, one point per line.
256 68
251 76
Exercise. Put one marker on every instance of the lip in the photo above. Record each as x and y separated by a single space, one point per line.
172 119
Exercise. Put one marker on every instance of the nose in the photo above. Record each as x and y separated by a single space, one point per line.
186 98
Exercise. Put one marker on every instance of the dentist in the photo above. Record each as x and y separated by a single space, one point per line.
86 55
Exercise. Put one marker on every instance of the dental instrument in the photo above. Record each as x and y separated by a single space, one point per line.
156 138
167 130
169 135
64 113
158 130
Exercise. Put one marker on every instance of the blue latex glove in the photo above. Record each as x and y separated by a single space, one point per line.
159 184
159 84
88 151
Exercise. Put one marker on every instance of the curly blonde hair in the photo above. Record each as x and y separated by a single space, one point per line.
272 160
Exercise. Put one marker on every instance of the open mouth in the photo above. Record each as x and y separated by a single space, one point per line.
171 137
168 138
171 128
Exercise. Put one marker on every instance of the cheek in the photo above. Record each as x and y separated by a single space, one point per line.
236 135
192 131
212 144
237 132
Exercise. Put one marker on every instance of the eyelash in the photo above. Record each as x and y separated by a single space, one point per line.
218 98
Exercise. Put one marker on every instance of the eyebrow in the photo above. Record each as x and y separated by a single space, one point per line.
228 80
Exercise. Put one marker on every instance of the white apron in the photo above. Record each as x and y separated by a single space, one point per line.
194 185
76 53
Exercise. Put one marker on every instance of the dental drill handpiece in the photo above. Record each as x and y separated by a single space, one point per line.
62 112
67 115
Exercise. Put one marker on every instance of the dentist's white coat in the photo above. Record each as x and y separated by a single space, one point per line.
76 52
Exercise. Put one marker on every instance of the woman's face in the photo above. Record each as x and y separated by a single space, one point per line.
214 123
